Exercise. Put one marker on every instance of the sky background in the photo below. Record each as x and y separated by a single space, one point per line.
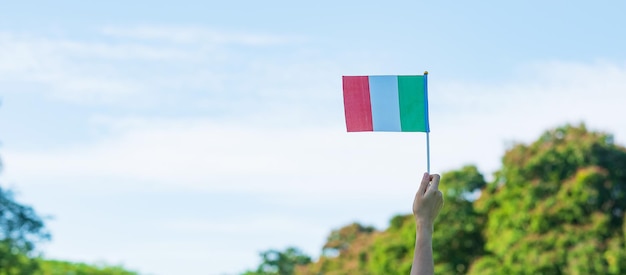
184 137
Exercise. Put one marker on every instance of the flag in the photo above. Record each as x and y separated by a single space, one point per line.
392 103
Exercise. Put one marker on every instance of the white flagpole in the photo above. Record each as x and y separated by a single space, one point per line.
428 152
427 123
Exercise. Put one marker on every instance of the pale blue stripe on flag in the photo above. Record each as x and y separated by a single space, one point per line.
385 103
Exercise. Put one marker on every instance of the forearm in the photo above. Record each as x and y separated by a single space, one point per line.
423 257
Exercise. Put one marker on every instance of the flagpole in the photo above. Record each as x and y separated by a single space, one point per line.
427 122
427 152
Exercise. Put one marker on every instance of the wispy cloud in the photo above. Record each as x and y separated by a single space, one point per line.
193 35
140 64
68 70
272 223
212 156
224 154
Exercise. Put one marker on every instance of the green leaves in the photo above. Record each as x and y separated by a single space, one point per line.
19 224
51 267
20 229
275 262
556 206
457 237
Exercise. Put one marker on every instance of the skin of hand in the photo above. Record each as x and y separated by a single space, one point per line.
426 206
428 201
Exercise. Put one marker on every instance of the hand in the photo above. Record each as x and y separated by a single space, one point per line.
428 201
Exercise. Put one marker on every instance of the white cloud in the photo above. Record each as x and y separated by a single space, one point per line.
204 155
265 224
65 69
242 155
138 65
197 35
105 70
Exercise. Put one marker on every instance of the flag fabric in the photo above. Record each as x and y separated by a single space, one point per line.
392 103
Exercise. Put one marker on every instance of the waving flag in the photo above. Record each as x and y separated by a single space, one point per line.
392 103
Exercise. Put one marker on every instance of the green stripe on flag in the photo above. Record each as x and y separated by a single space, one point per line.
412 103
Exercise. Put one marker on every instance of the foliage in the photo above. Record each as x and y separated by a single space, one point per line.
556 206
19 224
51 267
344 252
275 262
20 229
457 236
340 240
15 262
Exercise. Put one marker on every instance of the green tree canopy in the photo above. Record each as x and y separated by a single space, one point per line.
20 229
52 267
557 207
275 262
458 239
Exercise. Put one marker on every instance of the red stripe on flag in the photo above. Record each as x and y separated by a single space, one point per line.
357 104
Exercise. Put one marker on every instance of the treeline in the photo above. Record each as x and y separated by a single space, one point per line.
21 229
53 267
555 206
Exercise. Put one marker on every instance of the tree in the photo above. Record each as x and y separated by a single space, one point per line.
356 249
345 251
341 239
275 262
50 267
458 236
557 207
20 229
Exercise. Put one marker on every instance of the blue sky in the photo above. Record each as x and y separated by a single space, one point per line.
185 137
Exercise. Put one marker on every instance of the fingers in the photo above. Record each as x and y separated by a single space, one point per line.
435 181
424 184
434 186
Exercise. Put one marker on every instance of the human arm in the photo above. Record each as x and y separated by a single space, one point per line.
426 206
